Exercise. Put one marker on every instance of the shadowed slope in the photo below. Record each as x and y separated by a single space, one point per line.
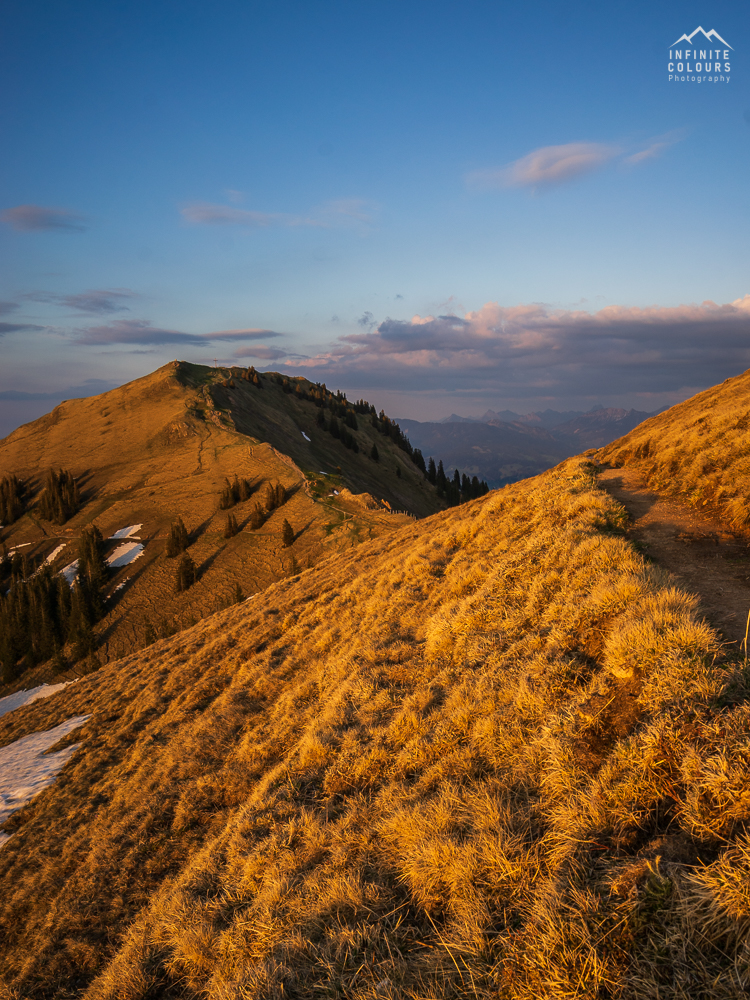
483 760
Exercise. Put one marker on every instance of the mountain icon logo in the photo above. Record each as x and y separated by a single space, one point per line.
710 36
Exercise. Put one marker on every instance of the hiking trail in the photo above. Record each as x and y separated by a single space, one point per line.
706 556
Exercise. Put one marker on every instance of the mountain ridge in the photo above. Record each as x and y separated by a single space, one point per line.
166 447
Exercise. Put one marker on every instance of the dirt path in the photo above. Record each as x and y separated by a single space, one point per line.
705 555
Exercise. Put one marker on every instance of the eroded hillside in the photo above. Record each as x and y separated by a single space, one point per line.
496 754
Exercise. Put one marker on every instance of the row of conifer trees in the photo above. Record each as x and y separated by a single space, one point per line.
40 613
457 490
11 499
59 501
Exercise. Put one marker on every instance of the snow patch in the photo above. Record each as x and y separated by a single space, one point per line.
305 436
128 532
70 572
26 770
21 546
53 555
19 698
125 554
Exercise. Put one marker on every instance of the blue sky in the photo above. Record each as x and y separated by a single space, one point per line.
444 206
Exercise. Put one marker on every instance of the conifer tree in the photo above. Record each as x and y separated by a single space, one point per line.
60 499
275 496
287 533
11 504
59 663
374 454
257 517
185 575
231 528
440 478
225 497
178 539
149 634
92 573
432 471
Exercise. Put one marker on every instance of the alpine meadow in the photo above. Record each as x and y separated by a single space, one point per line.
496 751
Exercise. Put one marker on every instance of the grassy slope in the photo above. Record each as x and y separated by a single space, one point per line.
698 450
496 755
161 447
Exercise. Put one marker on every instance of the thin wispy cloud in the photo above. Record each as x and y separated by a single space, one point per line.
7 307
260 352
551 166
203 213
38 218
95 301
546 167
140 332
521 350
333 214
6 328
249 334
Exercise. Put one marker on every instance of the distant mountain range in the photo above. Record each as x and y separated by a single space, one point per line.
503 447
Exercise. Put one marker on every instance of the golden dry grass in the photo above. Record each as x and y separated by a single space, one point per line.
499 755
698 451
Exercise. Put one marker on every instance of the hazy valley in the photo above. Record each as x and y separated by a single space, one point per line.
502 448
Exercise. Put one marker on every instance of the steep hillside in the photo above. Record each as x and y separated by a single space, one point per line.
698 450
164 447
496 755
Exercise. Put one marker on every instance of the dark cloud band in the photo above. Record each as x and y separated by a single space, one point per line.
526 351
138 331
